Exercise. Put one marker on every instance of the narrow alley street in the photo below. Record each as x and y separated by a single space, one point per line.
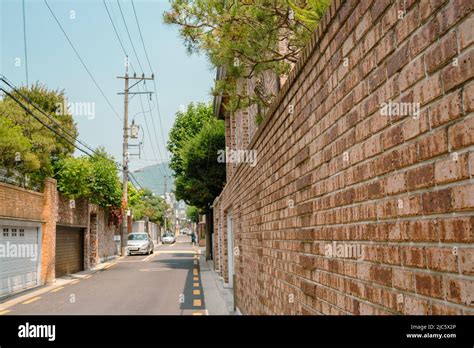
166 282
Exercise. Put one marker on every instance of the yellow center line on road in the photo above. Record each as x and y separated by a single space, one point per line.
57 289
196 279
197 303
74 282
197 292
5 312
197 313
32 300
196 285
87 276
195 271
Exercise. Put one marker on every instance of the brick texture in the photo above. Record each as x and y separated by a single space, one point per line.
51 209
338 172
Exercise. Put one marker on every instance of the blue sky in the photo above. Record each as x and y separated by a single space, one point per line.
180 78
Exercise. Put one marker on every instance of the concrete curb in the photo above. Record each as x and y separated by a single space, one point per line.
218 300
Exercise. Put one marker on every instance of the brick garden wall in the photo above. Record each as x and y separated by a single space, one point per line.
50 209
336 169
20 203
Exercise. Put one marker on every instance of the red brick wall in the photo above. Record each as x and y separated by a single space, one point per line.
20 203
50 209
48 241
337 170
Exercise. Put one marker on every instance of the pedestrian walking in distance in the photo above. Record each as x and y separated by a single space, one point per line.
193 238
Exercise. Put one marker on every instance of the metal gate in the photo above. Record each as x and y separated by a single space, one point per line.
19 257
69 250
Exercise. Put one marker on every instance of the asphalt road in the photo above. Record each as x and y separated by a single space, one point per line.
166 283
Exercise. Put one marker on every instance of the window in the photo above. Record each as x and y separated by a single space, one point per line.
138 236
13 232
22 232
5 232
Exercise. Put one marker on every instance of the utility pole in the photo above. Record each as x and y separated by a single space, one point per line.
126 93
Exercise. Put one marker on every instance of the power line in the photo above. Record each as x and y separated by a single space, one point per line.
141 36
82 61
149 135
41 121
131 176
129 36
139 62
24 42
126 54
31 102
154 83
50 118
115 29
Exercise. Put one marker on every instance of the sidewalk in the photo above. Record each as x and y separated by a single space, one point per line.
218 300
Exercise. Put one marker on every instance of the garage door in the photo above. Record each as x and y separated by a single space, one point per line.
69 250
19 258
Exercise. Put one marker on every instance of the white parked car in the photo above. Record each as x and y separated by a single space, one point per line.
139 242
168 238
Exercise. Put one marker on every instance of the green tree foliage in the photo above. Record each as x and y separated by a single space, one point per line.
95 178
186 125
133 195
74 177
203 177
15 148
310 12
106 187
145 204
192 213
39 148
245 37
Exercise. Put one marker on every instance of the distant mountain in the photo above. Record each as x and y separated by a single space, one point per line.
156 178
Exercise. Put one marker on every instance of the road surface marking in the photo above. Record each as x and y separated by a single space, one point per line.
57 289
197 313
87 276
196 303
176 252
196 285
32 300
195 271
74 282
148 257
196 279
5 312
197 292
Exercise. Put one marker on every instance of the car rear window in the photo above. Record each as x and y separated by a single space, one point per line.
137 237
